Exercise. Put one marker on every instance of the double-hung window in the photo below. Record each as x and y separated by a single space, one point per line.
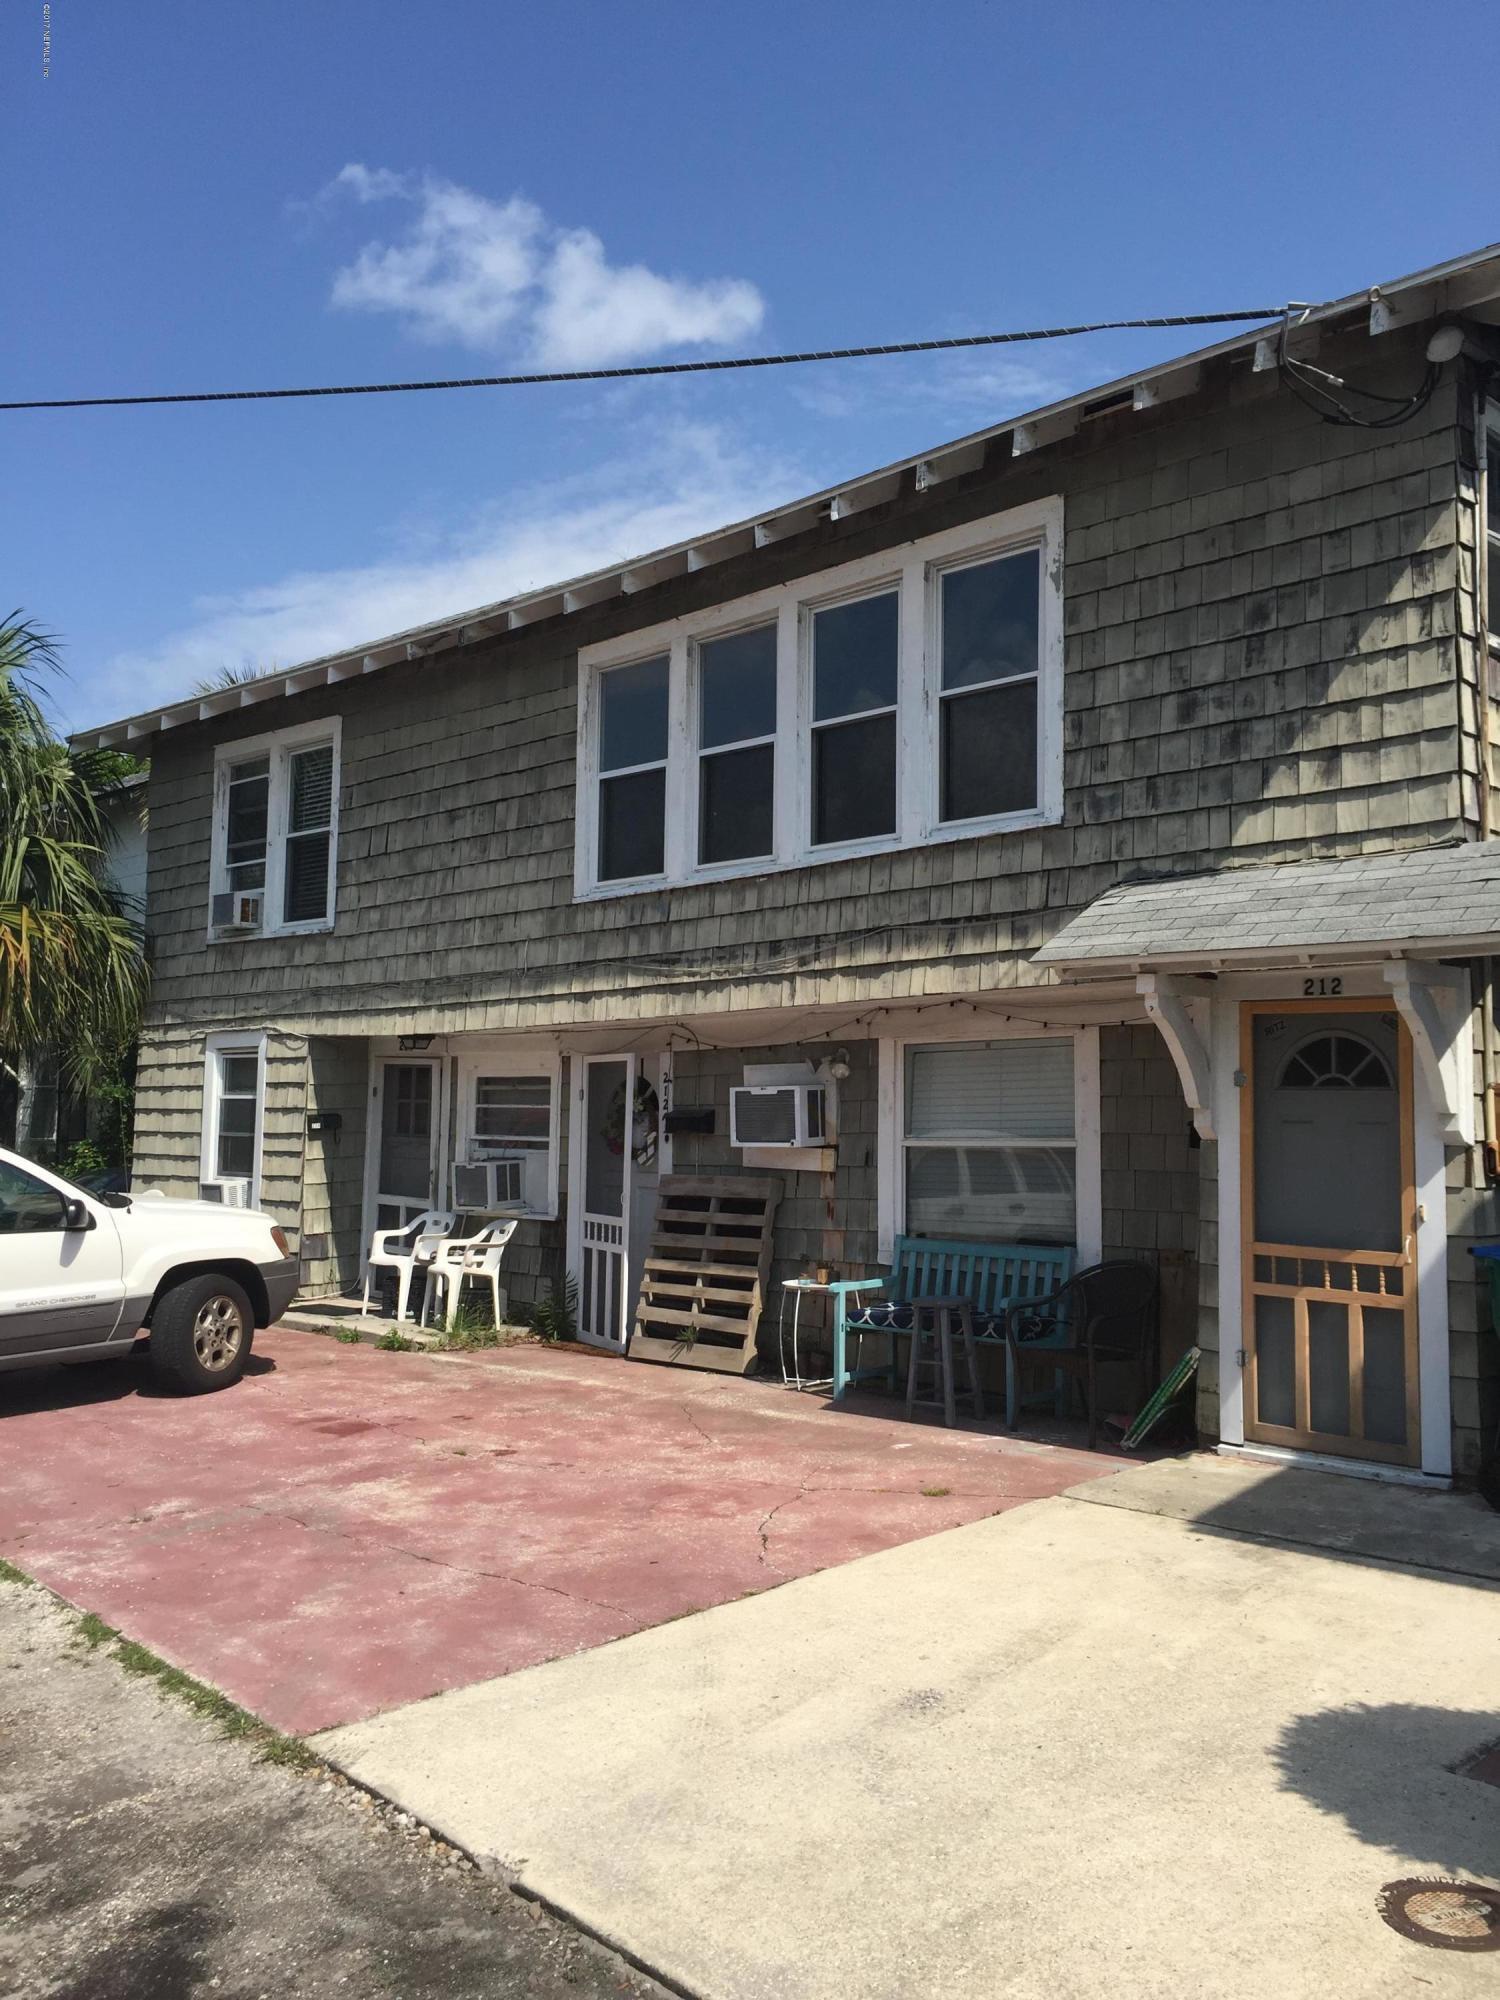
737 745
902 698
275 832
989 1141
632 770
855 653
989 633
509 1114
234 1089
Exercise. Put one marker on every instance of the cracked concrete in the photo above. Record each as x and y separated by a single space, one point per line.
348 1529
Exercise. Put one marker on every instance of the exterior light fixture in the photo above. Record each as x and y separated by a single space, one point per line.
414 1044
1445 342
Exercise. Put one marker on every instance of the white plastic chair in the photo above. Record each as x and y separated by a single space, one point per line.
460 1258
406 1251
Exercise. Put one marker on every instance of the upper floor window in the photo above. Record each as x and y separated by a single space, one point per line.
856 652
737 746
275 832
908 697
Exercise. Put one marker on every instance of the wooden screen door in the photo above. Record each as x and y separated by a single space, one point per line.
600 1143
1329 1214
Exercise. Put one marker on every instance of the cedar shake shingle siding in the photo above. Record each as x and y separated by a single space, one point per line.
1269 658
1260 665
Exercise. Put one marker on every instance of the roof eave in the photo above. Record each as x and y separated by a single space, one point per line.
1459 284
1275 958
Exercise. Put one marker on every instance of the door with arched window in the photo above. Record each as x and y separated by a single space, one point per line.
1330 1270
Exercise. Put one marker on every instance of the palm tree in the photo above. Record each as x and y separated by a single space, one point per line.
72 963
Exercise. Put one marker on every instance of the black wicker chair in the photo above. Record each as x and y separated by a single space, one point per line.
1107 1313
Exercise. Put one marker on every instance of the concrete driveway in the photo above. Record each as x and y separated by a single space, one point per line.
348 1529
1172 1744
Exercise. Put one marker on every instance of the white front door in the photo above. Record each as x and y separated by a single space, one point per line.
600 1144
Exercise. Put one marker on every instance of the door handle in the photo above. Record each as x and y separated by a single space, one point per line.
1408 1250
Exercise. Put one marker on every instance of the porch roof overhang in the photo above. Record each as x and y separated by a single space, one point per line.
1466 286
1436 902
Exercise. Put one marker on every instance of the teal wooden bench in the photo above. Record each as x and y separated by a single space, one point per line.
991 1276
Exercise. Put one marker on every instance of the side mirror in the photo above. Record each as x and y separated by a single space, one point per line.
76 1214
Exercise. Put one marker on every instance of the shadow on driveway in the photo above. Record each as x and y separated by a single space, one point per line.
1388 1770
27 1391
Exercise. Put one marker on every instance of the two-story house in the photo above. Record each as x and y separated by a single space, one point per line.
1100 806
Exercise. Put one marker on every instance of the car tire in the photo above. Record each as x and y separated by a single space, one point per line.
201 1332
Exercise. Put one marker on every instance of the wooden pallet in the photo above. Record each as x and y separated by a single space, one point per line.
704 1282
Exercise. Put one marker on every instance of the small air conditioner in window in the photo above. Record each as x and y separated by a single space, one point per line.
229 1194
778 1114
236 910
480 1187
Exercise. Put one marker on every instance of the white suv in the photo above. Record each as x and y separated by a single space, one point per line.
81 1275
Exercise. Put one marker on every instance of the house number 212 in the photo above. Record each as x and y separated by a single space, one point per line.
1321 988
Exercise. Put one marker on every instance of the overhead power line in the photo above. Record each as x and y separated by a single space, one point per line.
647 368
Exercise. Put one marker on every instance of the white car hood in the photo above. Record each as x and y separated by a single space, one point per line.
149 1202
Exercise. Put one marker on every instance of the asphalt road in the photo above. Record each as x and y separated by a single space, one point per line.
144 1857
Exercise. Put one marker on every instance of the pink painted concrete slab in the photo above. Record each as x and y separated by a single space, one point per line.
348 1529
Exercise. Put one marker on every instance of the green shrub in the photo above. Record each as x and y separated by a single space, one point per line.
82 1157
554 1317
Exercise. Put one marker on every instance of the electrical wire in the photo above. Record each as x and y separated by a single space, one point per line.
1307 384
642 369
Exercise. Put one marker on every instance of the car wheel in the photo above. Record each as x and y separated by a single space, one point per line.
201 1333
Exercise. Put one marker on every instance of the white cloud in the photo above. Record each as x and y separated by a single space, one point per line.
964 386
692 479
474 270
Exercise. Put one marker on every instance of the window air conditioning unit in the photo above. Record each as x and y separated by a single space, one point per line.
778 1114
489 1184
235 910
229 1194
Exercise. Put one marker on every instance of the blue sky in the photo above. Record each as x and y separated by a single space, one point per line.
262 193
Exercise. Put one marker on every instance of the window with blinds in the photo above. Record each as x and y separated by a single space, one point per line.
275 832
989 1141
309 834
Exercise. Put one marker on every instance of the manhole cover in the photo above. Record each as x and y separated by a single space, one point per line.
1454 1916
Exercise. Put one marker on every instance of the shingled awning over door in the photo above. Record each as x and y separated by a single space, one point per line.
1434 902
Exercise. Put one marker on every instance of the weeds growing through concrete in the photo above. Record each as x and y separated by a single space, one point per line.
394 1341
227 1716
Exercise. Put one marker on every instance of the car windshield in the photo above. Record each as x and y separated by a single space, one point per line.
95 1185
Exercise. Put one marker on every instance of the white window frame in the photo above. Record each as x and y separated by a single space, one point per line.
278 747
503 1061
915 571
231 1042
891 1134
